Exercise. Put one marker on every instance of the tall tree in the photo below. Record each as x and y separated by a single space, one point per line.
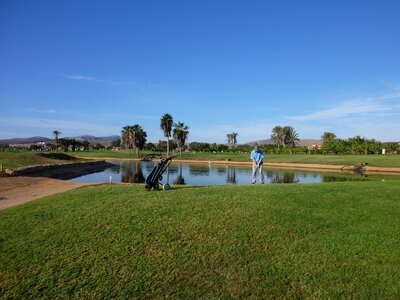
56 134
231 137
278 136
166 127
291 136
127 137
139 138
180 134
328 137
133 137
65 143
234 140
228 139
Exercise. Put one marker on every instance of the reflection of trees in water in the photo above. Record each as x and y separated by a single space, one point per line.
133 174
306 175
149 166
220 170
284 177
180 179
173 169
199 170
231 175
115 169
332 178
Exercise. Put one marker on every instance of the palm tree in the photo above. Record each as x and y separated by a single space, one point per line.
139 138
180 134
327 137
133 137
126 137
56 133
291 136
232 141
166 127
278 136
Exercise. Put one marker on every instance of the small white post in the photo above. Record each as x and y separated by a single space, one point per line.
383 151
110 179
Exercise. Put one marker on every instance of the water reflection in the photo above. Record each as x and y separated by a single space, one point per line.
221 170
231 175
282 177
328 178
199 170
180 179
133 174
205 174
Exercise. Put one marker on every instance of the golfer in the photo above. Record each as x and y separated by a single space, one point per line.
257 156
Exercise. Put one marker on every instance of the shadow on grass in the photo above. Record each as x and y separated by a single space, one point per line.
59 156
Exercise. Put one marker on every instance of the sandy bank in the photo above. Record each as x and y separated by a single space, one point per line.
18 190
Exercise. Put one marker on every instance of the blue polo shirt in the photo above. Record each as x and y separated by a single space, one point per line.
256 155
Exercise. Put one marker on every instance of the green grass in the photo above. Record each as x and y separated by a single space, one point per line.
348 160
16 159
333 240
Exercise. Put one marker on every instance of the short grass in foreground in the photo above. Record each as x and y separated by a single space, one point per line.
333 240
347 160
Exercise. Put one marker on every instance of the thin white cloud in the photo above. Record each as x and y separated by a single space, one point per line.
5 134
94 79
53 124
252 131
80 77
89 78
45 111
388 103
156 85
391 85
128 116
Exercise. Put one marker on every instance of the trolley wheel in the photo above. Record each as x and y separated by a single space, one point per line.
166 187
148 188
156 187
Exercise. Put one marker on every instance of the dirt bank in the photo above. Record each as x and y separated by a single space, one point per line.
18 190
61 171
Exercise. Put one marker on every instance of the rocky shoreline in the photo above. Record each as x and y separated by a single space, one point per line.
61 171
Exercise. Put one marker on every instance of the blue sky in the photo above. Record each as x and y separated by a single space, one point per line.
91 67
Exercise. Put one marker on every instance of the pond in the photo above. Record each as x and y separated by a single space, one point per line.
205 174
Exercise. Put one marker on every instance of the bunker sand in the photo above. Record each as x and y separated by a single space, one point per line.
21 189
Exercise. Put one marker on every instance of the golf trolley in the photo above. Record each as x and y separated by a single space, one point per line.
153 181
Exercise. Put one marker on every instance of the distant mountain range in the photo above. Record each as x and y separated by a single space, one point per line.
37 139
108 139
302 142
96 139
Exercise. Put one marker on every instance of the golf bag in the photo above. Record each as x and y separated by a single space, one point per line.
154 179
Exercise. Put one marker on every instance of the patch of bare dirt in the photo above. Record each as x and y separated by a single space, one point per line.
18 190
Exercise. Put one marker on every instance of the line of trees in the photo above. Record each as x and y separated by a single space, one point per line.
73 144
134 137
356 145
285 139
